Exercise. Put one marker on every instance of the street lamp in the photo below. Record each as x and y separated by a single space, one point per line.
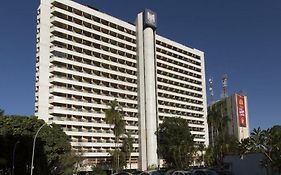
33 148
14 154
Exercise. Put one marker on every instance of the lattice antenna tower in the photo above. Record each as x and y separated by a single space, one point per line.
211 90
224 86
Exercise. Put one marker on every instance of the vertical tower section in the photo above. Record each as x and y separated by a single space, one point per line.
146 25
42 61
85 59
181 86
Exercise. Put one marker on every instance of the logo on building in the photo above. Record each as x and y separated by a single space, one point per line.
150 18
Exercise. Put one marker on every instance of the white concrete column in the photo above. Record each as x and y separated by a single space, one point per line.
142 161
44 60
150 95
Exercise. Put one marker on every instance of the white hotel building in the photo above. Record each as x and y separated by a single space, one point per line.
86 58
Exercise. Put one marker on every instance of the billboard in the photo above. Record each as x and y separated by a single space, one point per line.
241 110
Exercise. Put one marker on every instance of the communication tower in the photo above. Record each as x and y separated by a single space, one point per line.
211 90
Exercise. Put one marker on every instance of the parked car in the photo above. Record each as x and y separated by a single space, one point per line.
182 173
204 172
169 172
123 173
153 172
137 172
223 172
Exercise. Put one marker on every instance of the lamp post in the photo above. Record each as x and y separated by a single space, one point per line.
33 148
14 154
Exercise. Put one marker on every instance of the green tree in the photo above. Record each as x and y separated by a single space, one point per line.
114 116
69 163
200 148
176 145
266 142
210 157
97 170
220 139
118 155
127 147
51 144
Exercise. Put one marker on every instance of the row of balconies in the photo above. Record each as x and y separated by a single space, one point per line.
98 90
96 52
102 82
178 94
171 47
76 99
78 27
83 75
197 136
107 70
93 18
98 57
181 78
101 150
91 66
85 107
81 120
90 94
96 40
167 58
106 58
178 105
93 130
175 82
88 108
177 58
162 61
178 112
169 98
177 89
190 119
93 40
90 39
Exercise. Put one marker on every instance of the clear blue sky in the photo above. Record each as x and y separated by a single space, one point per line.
240 38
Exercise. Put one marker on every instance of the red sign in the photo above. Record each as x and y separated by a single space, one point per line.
241 110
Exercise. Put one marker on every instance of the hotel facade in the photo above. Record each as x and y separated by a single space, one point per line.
86 58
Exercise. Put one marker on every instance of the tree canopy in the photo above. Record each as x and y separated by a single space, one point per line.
52 144
176 145
266 142
221 142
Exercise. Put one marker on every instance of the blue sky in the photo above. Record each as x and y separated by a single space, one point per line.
240 38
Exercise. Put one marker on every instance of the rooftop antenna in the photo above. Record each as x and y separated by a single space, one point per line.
224 86
211 90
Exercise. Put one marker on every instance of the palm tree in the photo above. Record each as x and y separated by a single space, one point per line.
262 141
259 141
127 146
201 148
218 121
114 116
210 121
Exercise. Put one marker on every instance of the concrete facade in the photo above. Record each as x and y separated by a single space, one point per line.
232 112
86 58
